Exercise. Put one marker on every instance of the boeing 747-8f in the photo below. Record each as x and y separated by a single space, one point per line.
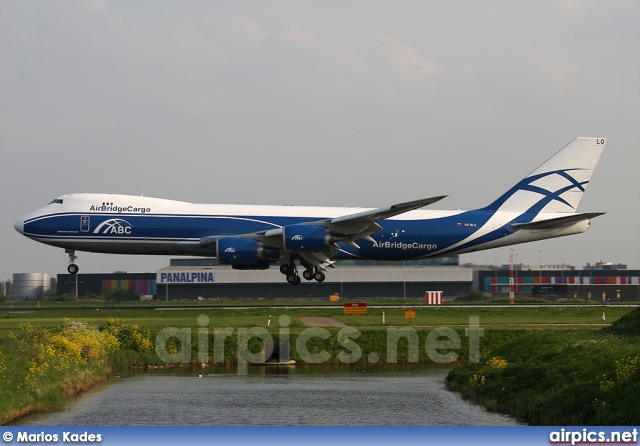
541 206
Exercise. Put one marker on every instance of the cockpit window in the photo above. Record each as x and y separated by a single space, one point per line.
56 201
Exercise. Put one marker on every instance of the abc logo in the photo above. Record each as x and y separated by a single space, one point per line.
115 226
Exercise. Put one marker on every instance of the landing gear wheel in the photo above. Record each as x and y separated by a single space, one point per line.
319 276
72 268
286 269
308 274
293 279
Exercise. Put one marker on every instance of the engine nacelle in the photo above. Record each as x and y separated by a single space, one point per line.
306 238
244 253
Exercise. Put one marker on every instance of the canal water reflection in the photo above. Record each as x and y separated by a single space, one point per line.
295 395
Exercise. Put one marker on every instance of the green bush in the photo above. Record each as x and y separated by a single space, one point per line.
40 368
560 377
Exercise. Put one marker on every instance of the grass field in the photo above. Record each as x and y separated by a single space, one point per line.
550 317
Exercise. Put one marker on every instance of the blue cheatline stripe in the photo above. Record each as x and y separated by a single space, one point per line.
440 234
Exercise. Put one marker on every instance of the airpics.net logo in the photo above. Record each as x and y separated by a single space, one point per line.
114 226
173 345
591 436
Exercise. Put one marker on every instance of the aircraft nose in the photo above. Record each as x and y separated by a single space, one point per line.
19 225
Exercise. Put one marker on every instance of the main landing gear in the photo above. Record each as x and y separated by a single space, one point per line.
72 268
310 273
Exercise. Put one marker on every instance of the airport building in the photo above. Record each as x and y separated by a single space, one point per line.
564 282
203 278
217 282
141 284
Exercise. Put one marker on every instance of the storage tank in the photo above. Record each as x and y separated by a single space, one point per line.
27 285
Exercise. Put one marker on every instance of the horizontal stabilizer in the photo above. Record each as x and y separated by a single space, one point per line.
559 222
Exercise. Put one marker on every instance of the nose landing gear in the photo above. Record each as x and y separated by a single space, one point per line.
72 268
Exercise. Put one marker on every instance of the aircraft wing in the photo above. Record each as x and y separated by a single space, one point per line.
346 229
387 212
559 222
362 224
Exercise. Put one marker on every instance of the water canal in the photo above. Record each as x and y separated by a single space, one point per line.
397 394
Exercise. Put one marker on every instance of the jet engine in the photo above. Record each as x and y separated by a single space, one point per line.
244 253
306 238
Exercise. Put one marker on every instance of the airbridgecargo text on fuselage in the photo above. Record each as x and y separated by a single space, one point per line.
186 277
405 246
119 209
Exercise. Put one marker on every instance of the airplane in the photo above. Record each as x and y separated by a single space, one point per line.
252 237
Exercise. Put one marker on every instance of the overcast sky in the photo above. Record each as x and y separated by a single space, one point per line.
346 103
